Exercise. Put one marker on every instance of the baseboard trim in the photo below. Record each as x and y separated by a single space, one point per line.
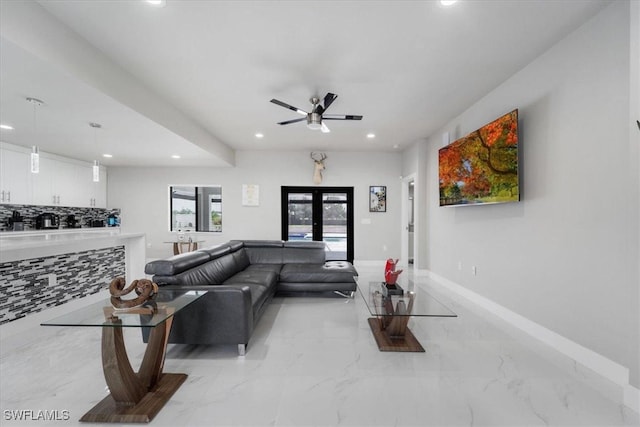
596 362
370 263
632 397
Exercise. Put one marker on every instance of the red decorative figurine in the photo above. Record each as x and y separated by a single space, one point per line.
390 273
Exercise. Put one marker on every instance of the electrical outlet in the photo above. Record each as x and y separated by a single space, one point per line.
384 248
52 279
474 271
460 265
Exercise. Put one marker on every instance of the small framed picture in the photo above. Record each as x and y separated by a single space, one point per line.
250 195
378 198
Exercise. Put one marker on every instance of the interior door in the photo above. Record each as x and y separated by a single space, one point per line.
323 214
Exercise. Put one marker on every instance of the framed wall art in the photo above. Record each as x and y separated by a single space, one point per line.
250 195
378 198
482 167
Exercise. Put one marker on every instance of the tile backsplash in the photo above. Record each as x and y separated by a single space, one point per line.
30 212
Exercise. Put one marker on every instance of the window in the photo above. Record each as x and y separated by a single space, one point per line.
195 208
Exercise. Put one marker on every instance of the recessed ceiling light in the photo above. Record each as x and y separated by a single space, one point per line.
157 3
107 156
396 146
175 156
6 127
259 135
447 2
371 135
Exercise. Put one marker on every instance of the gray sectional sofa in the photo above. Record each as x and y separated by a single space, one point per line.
241 278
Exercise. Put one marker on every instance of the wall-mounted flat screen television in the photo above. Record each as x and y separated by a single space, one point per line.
481 167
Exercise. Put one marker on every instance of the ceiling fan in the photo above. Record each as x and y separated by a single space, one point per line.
316 116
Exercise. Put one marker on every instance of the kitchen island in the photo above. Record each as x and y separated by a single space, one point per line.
43 268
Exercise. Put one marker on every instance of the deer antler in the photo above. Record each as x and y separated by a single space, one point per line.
322 157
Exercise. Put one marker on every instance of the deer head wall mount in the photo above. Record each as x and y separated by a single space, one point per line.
318 159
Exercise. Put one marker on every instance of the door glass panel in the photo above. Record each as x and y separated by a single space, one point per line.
334 225
300 211
321 214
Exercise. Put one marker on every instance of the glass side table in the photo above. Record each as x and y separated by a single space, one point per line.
134 397
393 311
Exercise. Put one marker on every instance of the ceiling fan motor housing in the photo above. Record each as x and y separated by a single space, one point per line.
314 121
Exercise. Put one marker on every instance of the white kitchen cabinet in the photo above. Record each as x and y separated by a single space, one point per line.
67 183
100 190
84 187
93 194
43 189
15 182
60 181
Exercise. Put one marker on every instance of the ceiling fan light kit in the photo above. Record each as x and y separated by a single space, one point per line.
314 121
316 115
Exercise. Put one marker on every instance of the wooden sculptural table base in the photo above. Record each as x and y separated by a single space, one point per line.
390 330
391 339
135 397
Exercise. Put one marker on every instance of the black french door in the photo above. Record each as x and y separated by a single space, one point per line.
323 214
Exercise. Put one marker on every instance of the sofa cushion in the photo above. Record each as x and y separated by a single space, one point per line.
235 245
176 264
264 255
303 252
269 267
257 277
328 272
214 272
216 251
260 243
305 287
241 258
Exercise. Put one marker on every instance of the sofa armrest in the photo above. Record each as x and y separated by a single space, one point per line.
222 316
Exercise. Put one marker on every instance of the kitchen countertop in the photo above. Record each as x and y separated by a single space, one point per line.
19 245
10 233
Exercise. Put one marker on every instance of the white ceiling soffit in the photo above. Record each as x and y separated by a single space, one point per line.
204 71
78 85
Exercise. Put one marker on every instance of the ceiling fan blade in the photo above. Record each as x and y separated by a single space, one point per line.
291 121
341 117
290 107
324 128
328 99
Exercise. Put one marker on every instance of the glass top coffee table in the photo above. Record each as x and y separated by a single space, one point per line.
134 397
393 307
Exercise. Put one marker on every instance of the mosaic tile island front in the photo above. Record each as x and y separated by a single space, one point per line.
46 268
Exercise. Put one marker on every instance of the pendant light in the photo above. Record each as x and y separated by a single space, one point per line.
96 164
35 159
96 171
35 151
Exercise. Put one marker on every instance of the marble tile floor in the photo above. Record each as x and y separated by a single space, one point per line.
314 362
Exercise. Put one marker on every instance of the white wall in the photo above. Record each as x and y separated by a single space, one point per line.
566 256
142 194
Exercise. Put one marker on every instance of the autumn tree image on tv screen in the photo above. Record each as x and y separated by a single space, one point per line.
481 167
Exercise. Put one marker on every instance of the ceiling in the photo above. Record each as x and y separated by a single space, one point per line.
194 78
